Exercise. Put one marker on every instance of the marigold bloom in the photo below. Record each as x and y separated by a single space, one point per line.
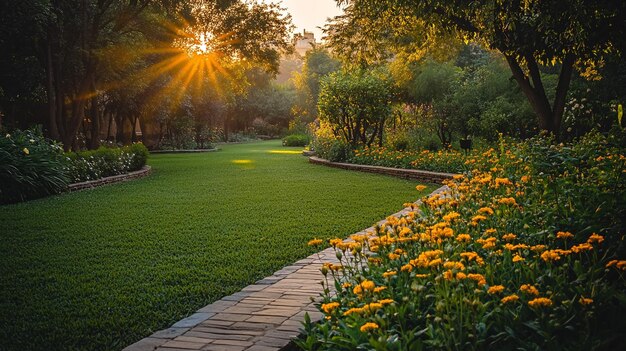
595 238
538 248
496 289
509 237
585 301
421 275
379 289
448 275
335 242
478 278
346 285
435 262
389 274
510 298
502 181
507 201
564 235
451 216
618 264
392 256
463 238
550 255
454 265
406 268
529 289
517 258
420 187
386 301
478 218
540 302
368 327
525 179
372 307
582 247
461 275
328 308
356 310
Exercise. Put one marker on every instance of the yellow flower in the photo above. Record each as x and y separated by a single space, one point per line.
510 298
392 256
517 258
478 278
496 289
335 242
346 285
507 201
461 275
356 310
585 301
368 327
406 268
540 302
328 308
26 151
478 218
502 181
525 179
379 289
595 238
509 237
582 247
451 216
448 275
564 235
421 275
314 242
389 274
420 187
463 238
550 255
386 301
529 289
618 264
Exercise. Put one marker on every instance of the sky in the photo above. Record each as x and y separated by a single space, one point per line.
310 14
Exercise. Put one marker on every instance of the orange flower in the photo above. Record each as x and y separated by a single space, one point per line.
540 302
529 289
315 242
496 289
510 298
585 301
368 327
507 201
564 235
595 238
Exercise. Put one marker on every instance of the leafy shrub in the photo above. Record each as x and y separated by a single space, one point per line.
524 252
106 162
296 140
31 166
328 146
441 161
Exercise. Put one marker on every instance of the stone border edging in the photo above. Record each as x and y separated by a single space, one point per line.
264 316
190 151
144 171
423 176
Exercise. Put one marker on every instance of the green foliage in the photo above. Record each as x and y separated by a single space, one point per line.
356 105
101 269
105 162
31 166
530 35
318 63
524 252
296 140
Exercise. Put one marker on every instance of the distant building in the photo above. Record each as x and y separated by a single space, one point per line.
304 42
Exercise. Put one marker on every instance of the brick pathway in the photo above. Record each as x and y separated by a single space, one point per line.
264 316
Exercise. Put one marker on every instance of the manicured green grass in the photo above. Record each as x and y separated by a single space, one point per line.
100 269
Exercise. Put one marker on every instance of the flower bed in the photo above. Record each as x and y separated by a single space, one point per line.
525 251
105 162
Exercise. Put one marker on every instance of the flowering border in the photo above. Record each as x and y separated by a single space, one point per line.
144 171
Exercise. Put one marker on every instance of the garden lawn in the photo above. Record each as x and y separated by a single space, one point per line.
103 268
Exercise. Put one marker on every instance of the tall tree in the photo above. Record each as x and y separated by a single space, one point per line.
529 33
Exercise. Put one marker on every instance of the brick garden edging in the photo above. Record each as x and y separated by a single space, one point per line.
422 176
264 316
191 151
112 179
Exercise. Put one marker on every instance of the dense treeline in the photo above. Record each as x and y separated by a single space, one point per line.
103 70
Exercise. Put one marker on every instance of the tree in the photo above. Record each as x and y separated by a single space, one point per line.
529 33
318 63
357 104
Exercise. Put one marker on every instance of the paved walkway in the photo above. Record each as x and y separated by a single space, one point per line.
264 316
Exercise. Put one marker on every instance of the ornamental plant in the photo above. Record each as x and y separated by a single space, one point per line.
525 251
31 166
105 162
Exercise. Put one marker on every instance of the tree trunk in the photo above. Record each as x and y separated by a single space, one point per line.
53 130
549 117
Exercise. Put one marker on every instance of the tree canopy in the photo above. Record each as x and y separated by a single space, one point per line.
531 34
